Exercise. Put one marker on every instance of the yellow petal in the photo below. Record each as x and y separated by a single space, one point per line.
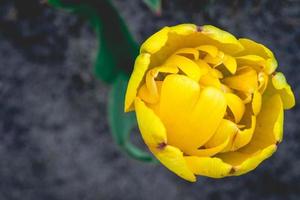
244 80
210 80
189 67
253 48
279 81
230 63
151 82
155 42
147 96
287 97
231 44
189 123
140 67
226 89
208 152
215 61
175 38
243 137
269 125
252 60
216 73
263 80
206 166
178 95
211 50
151 127
236 106
284 89
173 159
256 102
269 121
204 67
188 51
245 162
204 118
184 29
255 160
226 129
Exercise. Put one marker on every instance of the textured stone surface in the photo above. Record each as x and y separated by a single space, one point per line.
54 137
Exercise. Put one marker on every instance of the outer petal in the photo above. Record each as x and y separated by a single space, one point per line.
255 48
151 127
141 65
255 160
154 135
233 45
184 29
206 166
189 35
154 43
284 89
173 159
245 162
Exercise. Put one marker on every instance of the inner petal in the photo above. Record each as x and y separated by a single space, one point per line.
188 51
204 118
208 152
209 49
190 116
226 129
178 96
236 106
230 63
189 67
215 61
244 80
150 80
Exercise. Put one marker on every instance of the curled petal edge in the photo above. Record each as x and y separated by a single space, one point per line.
140 67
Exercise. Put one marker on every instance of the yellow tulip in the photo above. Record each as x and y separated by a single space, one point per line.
207 103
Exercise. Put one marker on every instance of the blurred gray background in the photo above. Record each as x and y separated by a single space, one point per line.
55 142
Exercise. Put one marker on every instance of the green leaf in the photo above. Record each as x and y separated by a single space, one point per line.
121 123
117 48
115 58
154 5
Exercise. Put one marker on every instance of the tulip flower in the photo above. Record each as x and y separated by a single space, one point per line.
206 102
